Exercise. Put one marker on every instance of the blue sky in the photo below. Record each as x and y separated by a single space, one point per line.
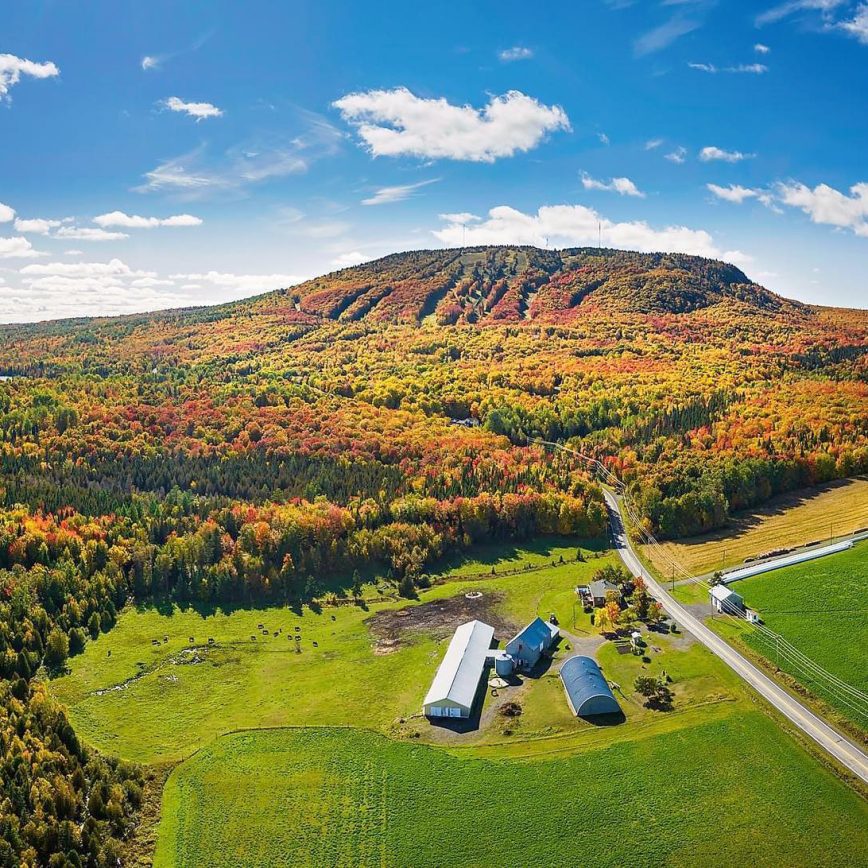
156 154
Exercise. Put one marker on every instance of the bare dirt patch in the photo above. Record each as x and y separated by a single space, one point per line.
437 618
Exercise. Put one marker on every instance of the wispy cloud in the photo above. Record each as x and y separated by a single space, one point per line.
760 48
196 173
88 233
678 156
394 123
653 144
387 195
664 35
857 26
750 68
517 52
791 7
12 68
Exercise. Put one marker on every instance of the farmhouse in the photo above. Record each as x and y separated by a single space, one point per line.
529 645
454 687
725 600
599 589
588 692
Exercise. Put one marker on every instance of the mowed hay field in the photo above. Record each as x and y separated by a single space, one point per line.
722 793
792 520
822 608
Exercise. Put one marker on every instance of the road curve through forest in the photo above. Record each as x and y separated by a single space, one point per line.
842 749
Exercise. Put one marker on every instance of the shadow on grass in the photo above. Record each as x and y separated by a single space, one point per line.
613 719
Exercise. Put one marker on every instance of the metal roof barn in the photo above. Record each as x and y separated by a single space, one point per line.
454 687
588 692
528 646
725 600
788 561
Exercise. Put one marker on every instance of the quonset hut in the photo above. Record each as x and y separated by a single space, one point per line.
588 692
454 687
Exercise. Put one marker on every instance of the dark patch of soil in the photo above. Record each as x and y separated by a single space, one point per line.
438 618
510 709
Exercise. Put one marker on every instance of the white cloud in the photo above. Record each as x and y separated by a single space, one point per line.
517 52
352 257
733 193
114 267
73 252
399 123
760 48
604 139
150 61
623 186
12 68
36 226
825 204
857 26
679 155
751 68
17 248
653 144
7 214
243 282
566 225
198 110
133 221
387 195
459 217
712 153
88 233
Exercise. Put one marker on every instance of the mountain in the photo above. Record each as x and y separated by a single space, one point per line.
512 284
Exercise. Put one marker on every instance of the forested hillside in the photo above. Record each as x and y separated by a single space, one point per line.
277 448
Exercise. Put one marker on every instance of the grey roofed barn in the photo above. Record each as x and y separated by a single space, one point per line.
588 692
529 645
454 687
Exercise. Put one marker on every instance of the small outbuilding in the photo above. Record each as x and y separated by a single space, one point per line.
588 692
453 690
598 590
726 601
535 640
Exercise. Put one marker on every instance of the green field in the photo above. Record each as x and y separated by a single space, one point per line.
821 607
722 793
147 702
340 768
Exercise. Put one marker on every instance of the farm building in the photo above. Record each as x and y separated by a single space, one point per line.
454 687
529 645
725 600
588 692
599 589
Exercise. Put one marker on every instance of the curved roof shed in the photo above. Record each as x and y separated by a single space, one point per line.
587 690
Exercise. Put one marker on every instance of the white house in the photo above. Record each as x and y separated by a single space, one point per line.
725 600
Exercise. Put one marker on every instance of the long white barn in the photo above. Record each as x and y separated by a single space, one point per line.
454 686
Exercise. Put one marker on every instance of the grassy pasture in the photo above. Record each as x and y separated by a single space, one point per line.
148 702
720 793
791 520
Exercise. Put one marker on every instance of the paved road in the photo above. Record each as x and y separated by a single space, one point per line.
841 748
